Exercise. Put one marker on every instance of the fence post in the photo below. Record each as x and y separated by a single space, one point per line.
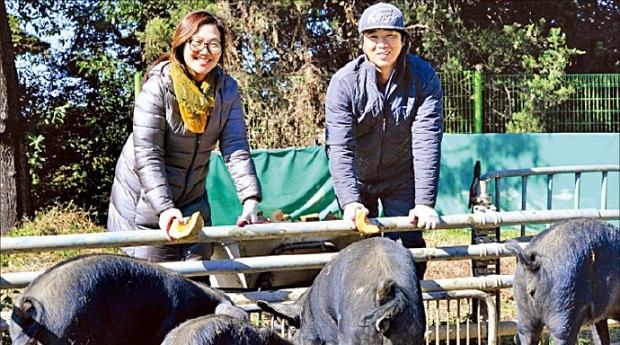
481 201
478 99
137 84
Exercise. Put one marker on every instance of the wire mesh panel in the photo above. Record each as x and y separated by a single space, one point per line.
503 96
593 107
458 106
450 318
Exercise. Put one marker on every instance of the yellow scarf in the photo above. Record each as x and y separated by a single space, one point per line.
195 103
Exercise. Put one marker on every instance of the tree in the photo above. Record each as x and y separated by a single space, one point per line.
14 177
283 54
78 89
502 37
591 26
79 96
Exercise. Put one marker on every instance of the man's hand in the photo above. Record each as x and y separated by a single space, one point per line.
249 214
424 217
348 213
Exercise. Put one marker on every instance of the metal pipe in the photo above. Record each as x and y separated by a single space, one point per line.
491 282
275 263
604 191
577 190
270 231
523 200
498 201
478 101
549 170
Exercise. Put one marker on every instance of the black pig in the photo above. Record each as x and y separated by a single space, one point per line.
110 299
567 276
369 294
222 330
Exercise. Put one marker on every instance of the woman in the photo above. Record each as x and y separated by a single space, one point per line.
186 106
384 125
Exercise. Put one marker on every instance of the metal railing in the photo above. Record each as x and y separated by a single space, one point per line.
449 317
484 203
483 197
231 233
275 263
449 287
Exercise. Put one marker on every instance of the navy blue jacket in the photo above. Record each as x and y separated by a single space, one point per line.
375 137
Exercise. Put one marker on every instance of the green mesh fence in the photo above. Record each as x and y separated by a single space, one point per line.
503 95
594 106
458 90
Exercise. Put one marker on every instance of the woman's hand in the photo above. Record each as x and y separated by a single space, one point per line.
166 218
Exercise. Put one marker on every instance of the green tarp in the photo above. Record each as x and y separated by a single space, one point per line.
297 180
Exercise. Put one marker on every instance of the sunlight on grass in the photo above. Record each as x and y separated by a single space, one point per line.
57 220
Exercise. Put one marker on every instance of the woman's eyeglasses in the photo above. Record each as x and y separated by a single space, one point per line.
196 45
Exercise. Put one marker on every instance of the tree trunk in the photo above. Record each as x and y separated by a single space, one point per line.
14 177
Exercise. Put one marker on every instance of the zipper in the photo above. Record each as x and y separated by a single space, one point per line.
191 165
385 97
383 129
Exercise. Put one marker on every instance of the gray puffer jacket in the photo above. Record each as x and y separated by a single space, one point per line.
164 165
382 139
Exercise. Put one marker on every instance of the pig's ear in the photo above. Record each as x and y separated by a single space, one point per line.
526 259
289 312
232 311
532 264
27 315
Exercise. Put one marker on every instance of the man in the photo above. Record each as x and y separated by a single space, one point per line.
384 127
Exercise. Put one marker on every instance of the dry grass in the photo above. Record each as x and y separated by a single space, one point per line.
462 268
58 220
